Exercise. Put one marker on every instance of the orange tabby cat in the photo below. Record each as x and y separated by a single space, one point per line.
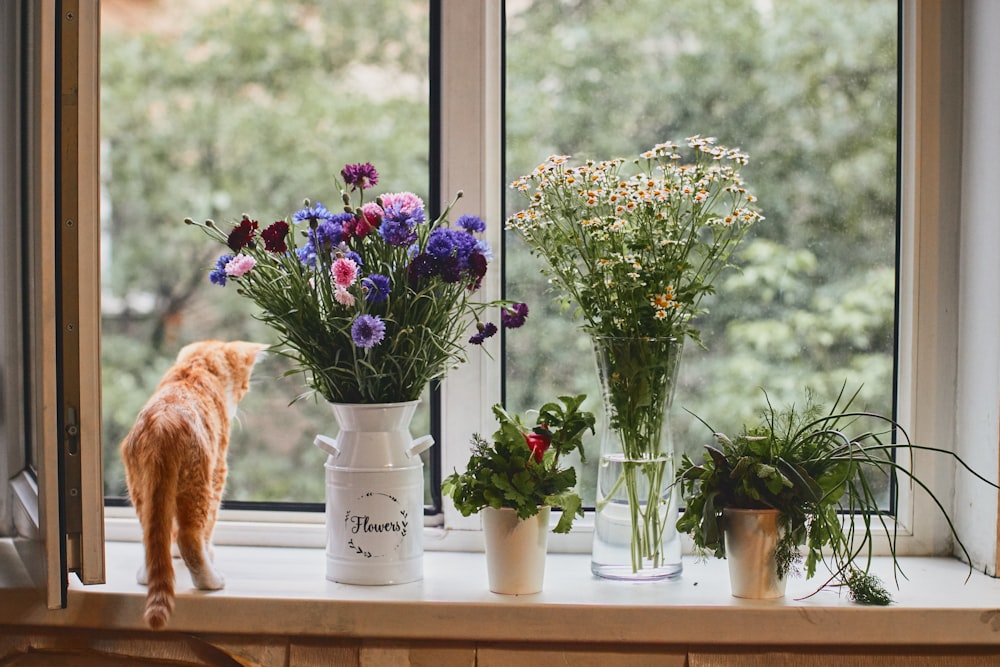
175 464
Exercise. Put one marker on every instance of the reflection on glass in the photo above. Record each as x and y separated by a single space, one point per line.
215 109
808 89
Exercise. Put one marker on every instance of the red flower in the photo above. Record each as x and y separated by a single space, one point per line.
274 237
242 234
538 441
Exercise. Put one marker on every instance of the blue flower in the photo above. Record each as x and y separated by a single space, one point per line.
367 331
377 288
397 232
325 235
218 274
484 249
316 213
465 245
399 225
471 224
440 243
355 257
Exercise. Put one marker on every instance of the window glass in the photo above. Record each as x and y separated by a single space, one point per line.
214 109
807 88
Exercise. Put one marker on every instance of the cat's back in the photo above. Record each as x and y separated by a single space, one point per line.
195 399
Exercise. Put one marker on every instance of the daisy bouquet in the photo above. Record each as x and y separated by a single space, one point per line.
371 301
635 246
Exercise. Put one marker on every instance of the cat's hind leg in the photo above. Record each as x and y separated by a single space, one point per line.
194 518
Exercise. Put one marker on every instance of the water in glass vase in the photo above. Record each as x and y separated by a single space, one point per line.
635 536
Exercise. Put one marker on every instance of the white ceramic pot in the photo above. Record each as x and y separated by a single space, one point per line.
515 550
751 540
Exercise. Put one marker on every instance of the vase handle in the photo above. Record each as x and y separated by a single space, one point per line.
419 445
328 445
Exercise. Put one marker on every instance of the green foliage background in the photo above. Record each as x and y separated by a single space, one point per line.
808 89
251 107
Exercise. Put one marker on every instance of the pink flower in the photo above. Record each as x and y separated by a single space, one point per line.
345 272
408 202
343 297
240 265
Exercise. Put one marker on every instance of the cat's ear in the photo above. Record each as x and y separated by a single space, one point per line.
257 351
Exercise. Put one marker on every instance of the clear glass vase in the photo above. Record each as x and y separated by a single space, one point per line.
635 534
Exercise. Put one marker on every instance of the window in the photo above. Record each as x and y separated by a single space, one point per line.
812 304
223 109
931 186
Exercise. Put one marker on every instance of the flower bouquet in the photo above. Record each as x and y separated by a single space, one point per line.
520 468
372 301
637 250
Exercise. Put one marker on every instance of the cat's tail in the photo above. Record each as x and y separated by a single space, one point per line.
157 526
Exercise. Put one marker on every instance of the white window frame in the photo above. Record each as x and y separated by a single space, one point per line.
941 380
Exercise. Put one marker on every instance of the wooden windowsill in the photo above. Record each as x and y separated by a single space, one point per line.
283 591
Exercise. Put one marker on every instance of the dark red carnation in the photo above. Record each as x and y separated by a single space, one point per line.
274 237
242 234
477 267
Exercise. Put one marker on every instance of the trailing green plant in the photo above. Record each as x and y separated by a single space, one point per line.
805 464
520 467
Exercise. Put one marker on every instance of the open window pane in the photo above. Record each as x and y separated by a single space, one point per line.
807 88
212 110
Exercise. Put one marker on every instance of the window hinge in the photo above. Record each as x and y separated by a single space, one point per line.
71 482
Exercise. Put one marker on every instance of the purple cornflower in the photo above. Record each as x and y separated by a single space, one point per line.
360 176
513 317
485 331
368 331
471 224
218 274
377 288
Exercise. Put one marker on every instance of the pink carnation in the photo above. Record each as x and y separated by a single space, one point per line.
408 202
240 265
343 297
345 272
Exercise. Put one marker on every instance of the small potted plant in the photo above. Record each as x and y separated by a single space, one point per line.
514 480
787 483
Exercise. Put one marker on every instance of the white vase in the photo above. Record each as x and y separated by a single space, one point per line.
374 495
751 541
515 550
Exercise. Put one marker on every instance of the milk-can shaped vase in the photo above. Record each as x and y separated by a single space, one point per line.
374 495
